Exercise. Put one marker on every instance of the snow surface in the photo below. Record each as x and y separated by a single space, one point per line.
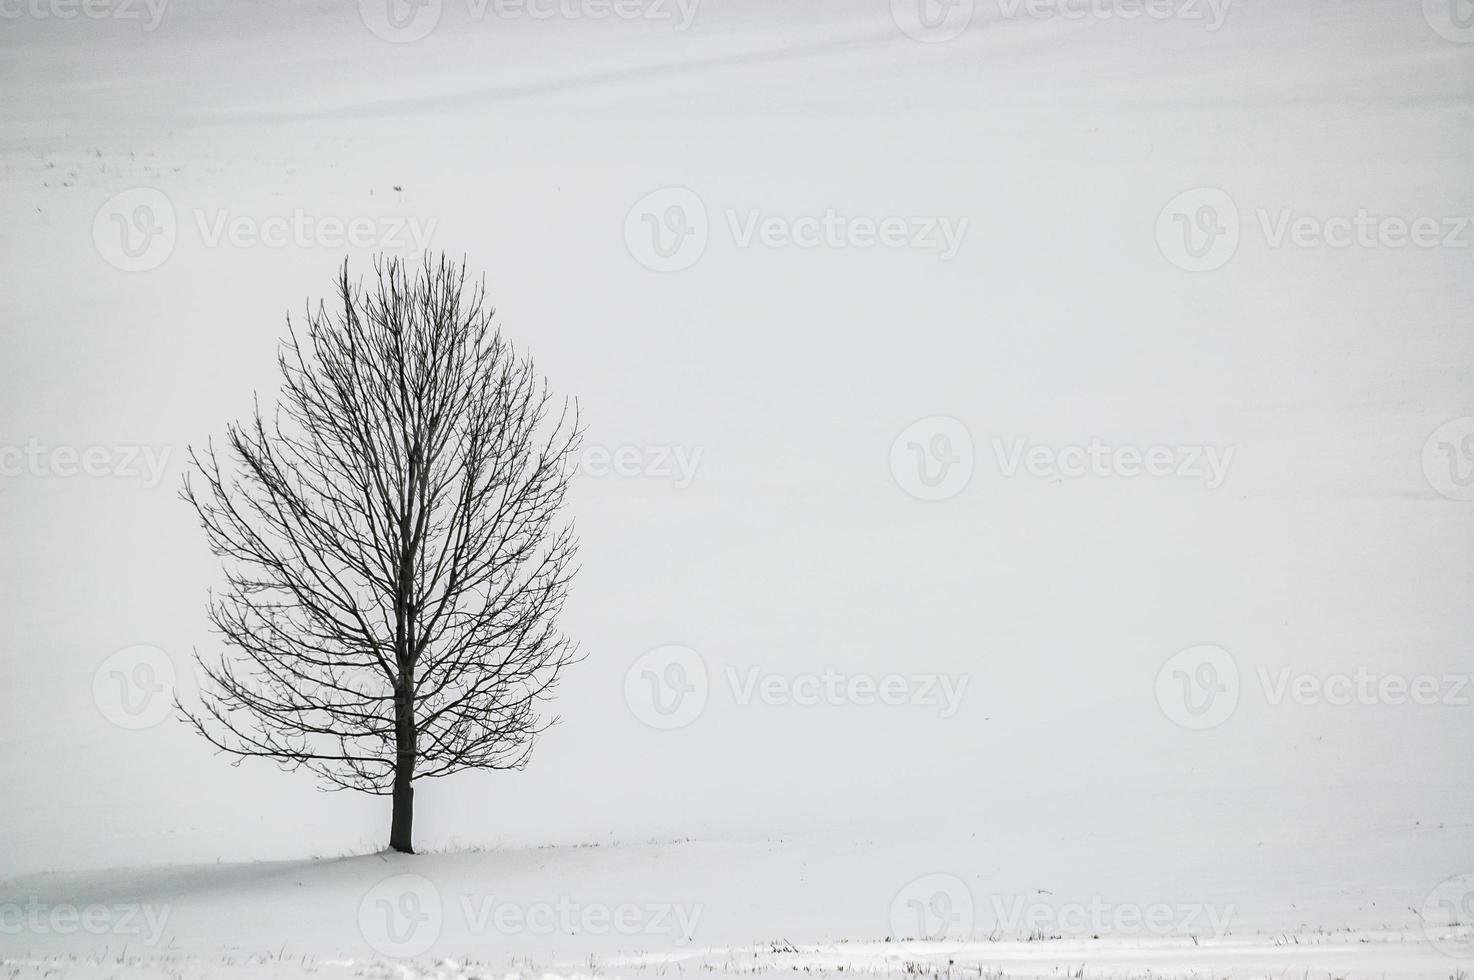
670 908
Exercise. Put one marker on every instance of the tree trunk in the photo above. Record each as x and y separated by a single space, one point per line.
400 831
401 834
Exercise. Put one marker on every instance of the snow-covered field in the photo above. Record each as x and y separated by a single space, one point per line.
671 908
1061 271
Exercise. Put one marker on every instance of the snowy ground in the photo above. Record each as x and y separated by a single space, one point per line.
1046 291
675 908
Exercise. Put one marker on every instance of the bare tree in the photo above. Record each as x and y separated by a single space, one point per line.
392 544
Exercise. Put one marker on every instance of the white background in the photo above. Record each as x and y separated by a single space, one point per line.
795 547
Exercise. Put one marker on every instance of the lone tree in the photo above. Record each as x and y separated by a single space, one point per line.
392 544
